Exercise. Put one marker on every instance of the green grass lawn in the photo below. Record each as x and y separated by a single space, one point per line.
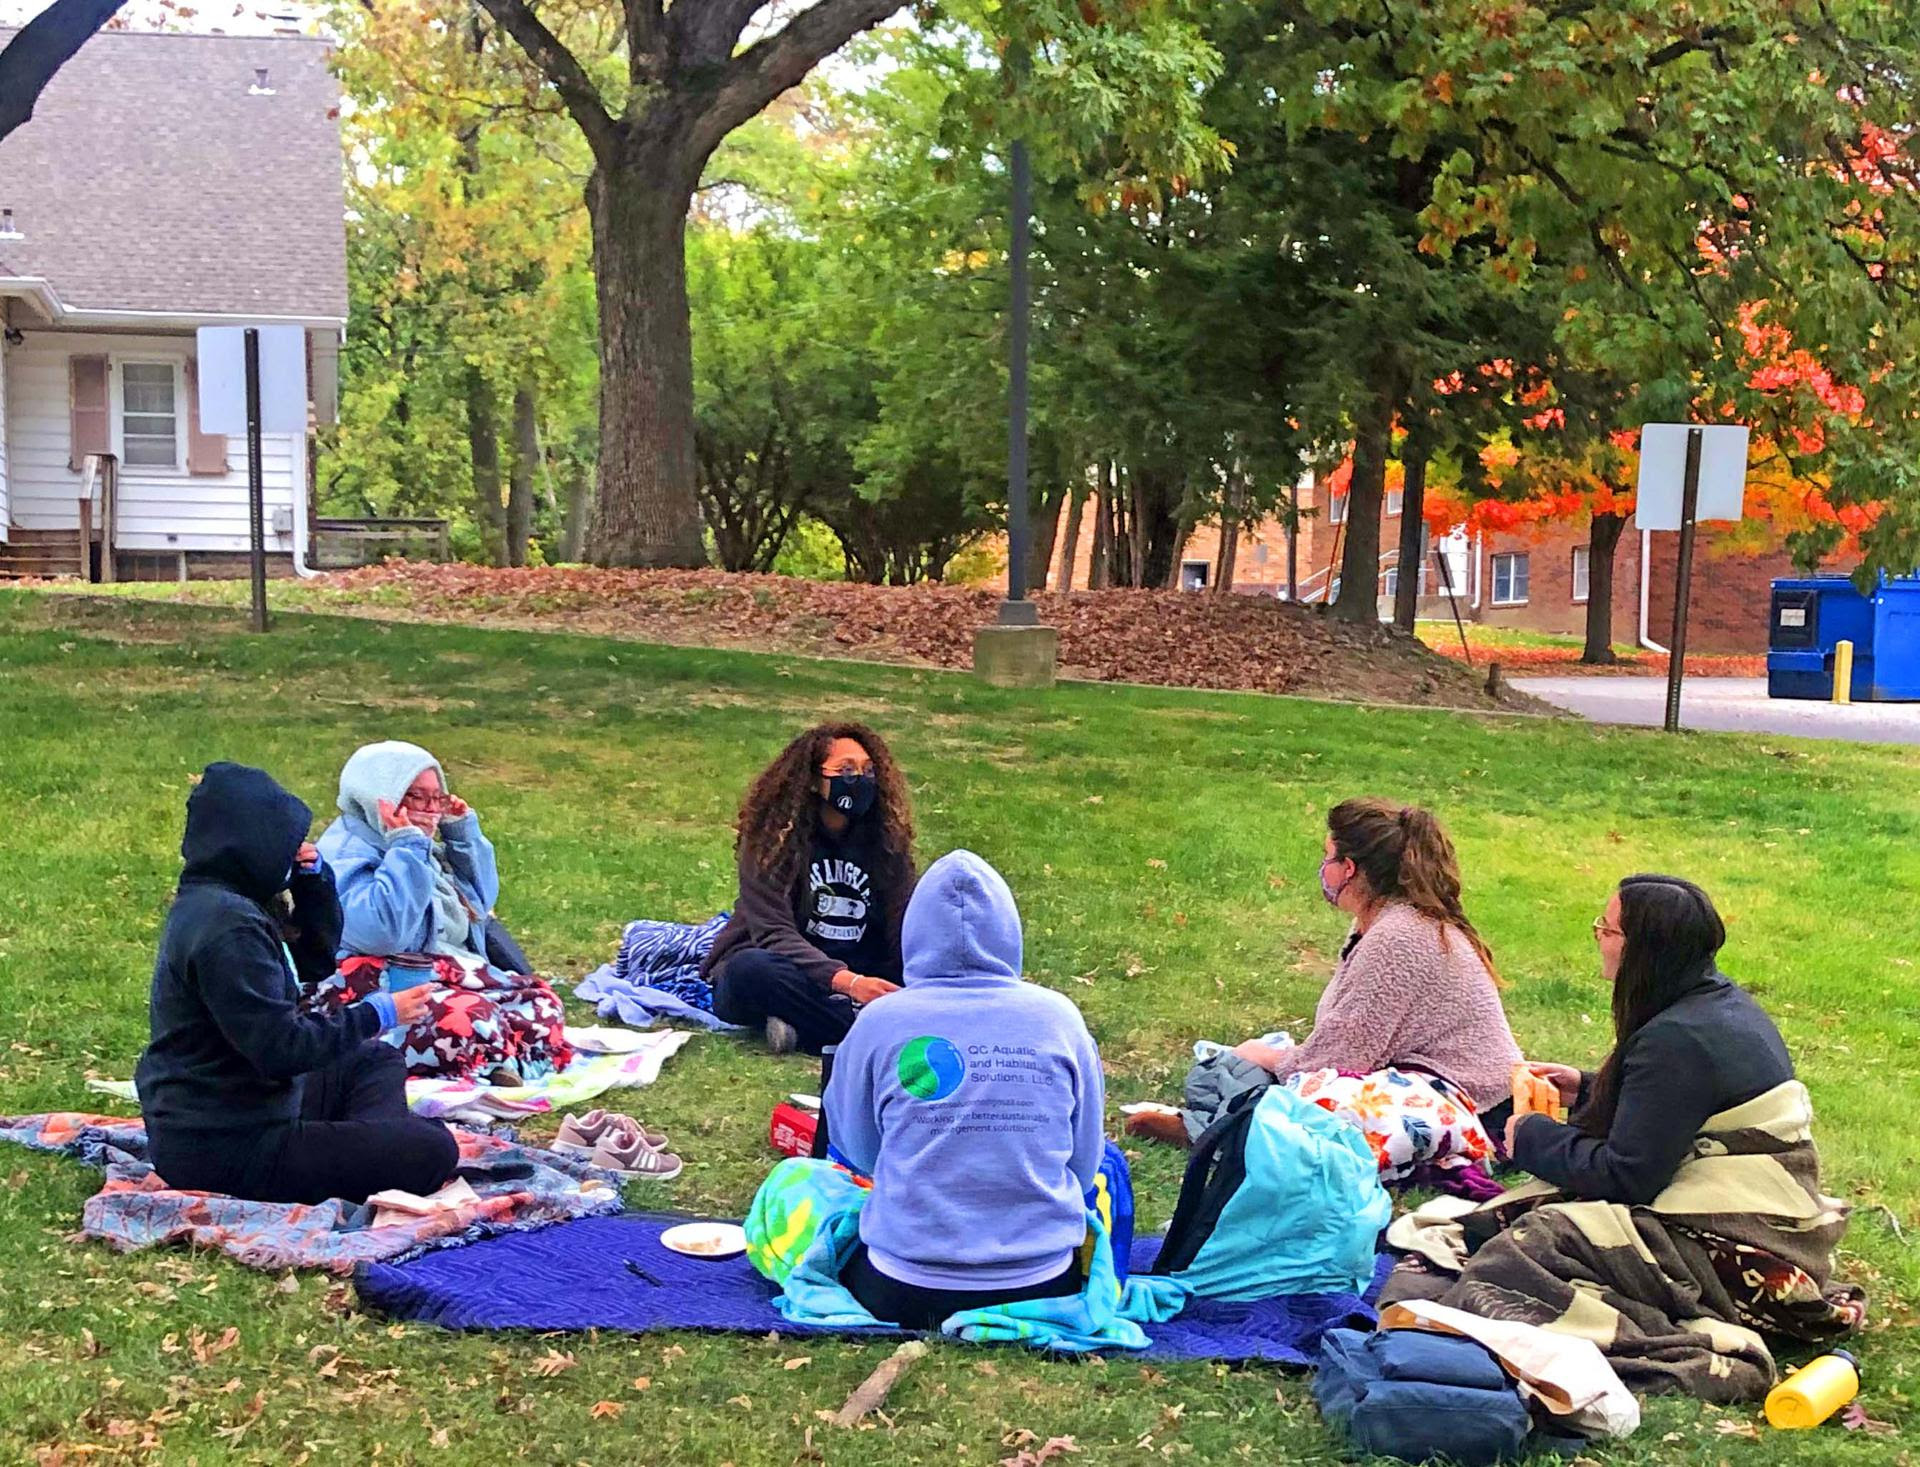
1163 847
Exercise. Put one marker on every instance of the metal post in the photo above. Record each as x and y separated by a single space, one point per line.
1017 610
1293 542
256 493
1683 578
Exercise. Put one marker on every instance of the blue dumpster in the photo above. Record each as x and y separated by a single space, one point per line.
1810 614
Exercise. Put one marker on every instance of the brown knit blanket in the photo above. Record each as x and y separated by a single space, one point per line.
1679 1293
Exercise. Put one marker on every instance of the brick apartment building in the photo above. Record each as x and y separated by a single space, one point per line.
1535 579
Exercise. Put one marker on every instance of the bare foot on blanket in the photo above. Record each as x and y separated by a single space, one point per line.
1153 1125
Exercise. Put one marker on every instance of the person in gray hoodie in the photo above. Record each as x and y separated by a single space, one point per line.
975 1102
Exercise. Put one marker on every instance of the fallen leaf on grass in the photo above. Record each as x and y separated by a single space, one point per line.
440 1439
553 1363
745 1403
642 1383
797 1363
602 1410
89 1346
1054 1446
205 1351
1745 1430
1855 1418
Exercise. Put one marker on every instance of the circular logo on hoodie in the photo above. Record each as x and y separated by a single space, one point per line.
931 1068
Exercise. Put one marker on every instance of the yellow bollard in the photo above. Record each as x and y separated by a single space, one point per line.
1843 672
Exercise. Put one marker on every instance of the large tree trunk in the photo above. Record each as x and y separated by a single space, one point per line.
1046 526
526 463
1359 598
1602 540
646 512
1229 538
483 447
1413 499
1100 573
1070 543
573 538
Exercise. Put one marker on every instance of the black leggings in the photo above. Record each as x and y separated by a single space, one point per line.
355 1137
912 1307
754 985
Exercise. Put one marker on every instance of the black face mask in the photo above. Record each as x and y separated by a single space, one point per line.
852 794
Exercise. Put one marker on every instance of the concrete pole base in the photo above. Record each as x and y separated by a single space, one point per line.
1016 657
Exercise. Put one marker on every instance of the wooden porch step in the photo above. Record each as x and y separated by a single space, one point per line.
41 553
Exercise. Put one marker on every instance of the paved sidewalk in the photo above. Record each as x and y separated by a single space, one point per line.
1727 704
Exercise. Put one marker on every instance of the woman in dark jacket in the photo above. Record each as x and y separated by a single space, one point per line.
243 1093
1688 1044
825 847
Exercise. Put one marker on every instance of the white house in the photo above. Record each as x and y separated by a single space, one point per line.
166 182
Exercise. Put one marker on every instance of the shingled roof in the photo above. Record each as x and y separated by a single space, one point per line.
158 175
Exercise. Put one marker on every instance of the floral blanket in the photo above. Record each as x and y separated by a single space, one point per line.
518 1187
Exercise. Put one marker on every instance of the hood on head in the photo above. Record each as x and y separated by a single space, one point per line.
243 831
382 771
961 923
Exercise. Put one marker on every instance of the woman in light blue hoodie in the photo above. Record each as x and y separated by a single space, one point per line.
975 1102
417 881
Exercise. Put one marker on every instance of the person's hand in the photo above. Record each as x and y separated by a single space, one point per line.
1263 1055
392 817
869 990
307 858
410 1004
1564 1078
456 807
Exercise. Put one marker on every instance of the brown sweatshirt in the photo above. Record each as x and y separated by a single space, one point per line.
1412 992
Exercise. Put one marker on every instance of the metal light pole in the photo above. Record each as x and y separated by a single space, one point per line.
1017 610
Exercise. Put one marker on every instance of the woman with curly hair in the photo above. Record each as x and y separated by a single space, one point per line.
825 846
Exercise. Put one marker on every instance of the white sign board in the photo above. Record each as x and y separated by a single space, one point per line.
223 379
1663 472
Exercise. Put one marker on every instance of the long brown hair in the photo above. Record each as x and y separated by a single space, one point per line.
1671 934
1406 857
781 813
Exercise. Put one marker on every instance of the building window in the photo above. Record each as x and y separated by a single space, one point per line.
1395 499
149 416
1337 510
1193 575
1581 567
1510 580
1390 582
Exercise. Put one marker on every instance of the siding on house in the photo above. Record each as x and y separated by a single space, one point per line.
160 509
6 517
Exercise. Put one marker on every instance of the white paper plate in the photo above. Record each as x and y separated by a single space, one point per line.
805 1101
1149 1108
706 1239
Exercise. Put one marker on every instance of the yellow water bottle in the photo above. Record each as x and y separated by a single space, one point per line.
1814 1392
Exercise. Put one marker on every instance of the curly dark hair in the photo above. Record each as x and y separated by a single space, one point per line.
781 812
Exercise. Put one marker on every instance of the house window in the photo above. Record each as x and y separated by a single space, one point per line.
149 416
1390 582
1337 510
1395 499
1581 565
1510 580
1193 575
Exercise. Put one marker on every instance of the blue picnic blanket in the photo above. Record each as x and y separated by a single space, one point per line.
613 1273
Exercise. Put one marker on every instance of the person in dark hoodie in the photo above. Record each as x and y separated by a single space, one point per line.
975 1102
1688 1043
825 847
242 1092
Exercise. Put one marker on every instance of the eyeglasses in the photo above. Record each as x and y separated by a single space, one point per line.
1601 929
846 767
426 804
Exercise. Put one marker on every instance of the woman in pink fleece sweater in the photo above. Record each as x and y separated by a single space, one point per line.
1414 994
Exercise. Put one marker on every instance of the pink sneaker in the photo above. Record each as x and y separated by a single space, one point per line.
579 1135
626 1153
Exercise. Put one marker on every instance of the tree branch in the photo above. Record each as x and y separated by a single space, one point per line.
643 40
560 67
42 47
706 31
752 80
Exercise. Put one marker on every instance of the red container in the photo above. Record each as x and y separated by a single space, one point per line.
791 1129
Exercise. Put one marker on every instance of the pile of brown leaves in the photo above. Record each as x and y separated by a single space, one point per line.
1170 638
